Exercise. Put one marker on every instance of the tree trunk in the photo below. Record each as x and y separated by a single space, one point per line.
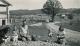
52 17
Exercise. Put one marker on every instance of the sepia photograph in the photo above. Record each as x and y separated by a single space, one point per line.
39 22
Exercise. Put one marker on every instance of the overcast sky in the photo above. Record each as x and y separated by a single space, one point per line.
38 4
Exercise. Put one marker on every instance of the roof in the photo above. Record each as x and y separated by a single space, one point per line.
5 3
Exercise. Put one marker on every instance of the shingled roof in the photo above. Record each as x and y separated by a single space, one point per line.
5 3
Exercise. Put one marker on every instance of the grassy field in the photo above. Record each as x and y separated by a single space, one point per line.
75 26
73 32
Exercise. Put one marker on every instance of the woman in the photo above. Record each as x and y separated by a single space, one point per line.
24 32
61 35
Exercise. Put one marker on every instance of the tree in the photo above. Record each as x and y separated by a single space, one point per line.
76 11
52 7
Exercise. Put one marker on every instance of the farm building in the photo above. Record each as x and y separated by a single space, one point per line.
4 18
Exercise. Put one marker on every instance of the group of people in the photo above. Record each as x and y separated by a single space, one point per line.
24 33
18 33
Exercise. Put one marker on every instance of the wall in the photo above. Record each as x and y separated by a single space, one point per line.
3 17
1 21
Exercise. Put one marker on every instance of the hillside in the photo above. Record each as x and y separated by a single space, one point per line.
38 11
24 12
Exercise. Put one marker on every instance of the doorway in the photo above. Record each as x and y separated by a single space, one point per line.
3 22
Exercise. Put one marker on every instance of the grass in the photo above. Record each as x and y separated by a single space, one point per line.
74 26
73 39
73 35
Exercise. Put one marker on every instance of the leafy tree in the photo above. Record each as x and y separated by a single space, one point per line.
76 11
52 7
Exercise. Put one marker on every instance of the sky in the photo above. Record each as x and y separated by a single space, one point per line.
38 4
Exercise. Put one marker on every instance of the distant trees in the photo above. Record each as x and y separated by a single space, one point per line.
52 7
70 16
76 11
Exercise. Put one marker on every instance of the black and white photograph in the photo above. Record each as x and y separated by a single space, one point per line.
39 22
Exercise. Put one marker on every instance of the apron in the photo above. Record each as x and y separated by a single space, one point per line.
24 31
60 37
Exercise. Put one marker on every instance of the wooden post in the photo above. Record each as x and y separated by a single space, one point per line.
8 16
